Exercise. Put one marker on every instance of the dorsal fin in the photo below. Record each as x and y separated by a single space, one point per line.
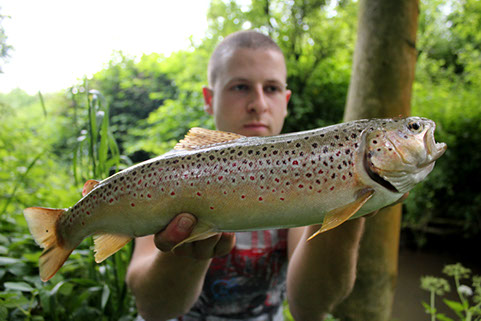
89 185
198 138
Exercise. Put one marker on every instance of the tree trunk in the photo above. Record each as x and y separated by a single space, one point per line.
381 83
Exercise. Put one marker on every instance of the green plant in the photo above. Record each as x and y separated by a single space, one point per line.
469 306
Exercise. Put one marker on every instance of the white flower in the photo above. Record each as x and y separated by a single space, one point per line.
466 290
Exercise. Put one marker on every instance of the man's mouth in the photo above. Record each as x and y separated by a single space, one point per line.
255 125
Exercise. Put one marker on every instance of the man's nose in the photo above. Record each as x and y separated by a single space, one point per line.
258 102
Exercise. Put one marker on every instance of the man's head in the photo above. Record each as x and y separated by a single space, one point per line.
247 85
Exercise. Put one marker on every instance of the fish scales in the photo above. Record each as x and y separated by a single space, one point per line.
237 183
255 173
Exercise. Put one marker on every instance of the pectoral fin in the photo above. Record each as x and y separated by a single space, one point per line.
107 244
339 215
201 231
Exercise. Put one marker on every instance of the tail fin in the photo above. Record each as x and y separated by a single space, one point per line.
42 223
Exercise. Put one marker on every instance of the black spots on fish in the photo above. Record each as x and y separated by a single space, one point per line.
314 145
333 175
211 157
240 153
325 150
336 137
353 136
298 145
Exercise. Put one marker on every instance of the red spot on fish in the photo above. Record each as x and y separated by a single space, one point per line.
344 177
139 182
252 178
301 186
282 198
132 204
225 193
199 194
211 208
149 196
88 213
243 196
94 197
260 198
277 180
295 163
332 188
220 178
111 200
70 220
320 171
83 223
172 194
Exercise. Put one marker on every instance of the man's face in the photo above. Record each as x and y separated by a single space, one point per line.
249 96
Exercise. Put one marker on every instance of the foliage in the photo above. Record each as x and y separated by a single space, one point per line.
469 306
28 162
446 90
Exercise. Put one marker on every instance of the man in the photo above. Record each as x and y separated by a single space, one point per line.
244 276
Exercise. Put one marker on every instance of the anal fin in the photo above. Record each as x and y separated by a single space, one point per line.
201 231
108 244
339 215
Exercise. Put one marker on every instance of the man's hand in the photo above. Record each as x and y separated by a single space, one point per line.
180 228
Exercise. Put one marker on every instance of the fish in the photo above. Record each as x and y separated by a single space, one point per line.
236 183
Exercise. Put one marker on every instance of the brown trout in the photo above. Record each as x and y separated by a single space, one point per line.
236 183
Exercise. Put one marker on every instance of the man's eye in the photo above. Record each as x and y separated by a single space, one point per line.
272 89
240 87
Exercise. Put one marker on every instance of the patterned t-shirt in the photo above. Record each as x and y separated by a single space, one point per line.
247 284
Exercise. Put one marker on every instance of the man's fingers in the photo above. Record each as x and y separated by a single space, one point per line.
177 230
225 244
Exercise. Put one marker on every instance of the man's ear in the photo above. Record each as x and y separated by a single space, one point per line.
208 95
288 95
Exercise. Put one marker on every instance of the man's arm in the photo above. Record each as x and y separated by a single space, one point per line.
321 271
166 284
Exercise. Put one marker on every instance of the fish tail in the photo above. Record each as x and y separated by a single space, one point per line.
42 223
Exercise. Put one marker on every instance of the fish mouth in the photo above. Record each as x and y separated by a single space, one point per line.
435 150
376 177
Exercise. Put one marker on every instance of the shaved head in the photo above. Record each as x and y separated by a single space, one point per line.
248 39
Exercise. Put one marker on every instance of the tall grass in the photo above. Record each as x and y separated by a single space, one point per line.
82 290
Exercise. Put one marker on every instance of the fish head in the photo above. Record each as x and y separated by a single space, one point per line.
400 153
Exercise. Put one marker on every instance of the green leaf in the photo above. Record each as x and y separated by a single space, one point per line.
3 313
453 305
442 317
15 301
19 286
105 296
8 260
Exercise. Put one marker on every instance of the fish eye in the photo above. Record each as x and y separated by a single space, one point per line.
415 127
